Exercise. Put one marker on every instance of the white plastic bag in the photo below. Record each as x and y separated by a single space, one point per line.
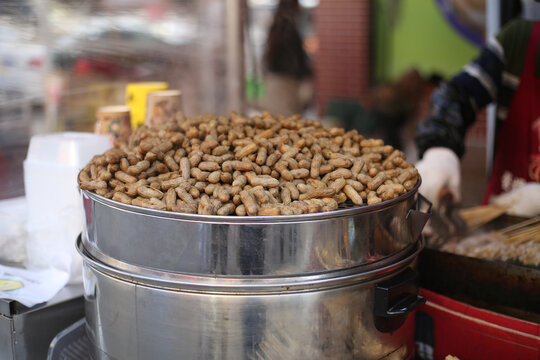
30 287
13 234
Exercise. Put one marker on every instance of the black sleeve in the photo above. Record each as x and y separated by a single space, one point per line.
451 114
454 104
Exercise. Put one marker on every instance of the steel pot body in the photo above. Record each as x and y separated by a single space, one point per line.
328 316
323 286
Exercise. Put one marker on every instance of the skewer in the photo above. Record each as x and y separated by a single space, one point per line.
525 235
519 225
480 215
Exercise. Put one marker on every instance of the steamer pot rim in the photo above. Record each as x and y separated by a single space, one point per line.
256 285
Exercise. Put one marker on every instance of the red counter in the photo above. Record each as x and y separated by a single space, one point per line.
446 326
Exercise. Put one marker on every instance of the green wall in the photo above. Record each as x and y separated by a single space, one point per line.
419 37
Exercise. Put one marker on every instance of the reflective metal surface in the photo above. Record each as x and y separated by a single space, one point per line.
165 285
25 333
240 246
137 317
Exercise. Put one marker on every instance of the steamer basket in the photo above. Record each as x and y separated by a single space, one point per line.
243 245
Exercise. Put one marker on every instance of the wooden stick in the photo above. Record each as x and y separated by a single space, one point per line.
481 215
519 225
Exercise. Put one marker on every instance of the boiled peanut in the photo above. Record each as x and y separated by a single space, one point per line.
372 198
240 210
122 176
397 188
168 184
377 181
209 166
293 190
340 173
214 177
317 193
246 150
185 168
407 174
338 184
121 197
388 194
226 209
93 185
263 180
184 208
269 211
170 199
353 195
248 165
340 162
184 196
371 142
205 206
170 163
148 192
249 202
261 156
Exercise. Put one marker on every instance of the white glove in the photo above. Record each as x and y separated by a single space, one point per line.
439 168
522 201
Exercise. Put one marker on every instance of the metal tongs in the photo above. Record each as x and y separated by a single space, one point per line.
446 220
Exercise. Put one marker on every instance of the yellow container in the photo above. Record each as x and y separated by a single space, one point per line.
136 99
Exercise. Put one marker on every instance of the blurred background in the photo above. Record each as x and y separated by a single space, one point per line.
369 65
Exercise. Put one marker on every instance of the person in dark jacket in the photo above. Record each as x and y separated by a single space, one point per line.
506 72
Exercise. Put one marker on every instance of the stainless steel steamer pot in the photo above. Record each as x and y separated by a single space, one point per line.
337 285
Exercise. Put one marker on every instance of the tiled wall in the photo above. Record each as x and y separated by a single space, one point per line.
342 67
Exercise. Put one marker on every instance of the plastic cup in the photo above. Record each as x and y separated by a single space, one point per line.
113 121
162 106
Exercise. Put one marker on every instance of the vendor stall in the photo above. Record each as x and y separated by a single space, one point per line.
270 180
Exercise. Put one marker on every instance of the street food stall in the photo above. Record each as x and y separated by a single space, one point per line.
266 180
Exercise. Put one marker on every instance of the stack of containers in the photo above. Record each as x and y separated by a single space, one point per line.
55 214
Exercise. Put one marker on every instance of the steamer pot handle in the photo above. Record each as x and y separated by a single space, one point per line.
406 305
417 217
394 299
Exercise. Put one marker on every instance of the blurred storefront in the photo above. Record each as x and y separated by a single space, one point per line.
61 60
72 57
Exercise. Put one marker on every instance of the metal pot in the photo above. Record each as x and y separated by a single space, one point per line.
333 285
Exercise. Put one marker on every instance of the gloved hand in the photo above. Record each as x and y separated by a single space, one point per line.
521 201
439 168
